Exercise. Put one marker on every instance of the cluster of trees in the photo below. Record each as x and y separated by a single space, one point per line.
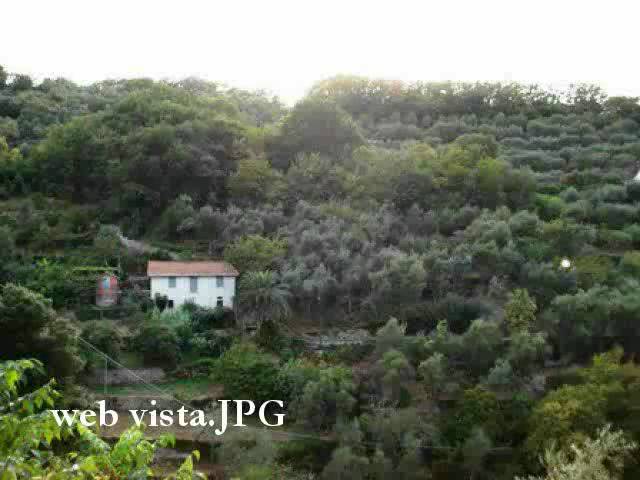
384 428
447 207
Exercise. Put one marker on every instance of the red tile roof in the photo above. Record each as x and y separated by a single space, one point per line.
190 269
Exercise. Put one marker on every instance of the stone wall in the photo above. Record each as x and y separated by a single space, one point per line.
123 403
326 342
122 376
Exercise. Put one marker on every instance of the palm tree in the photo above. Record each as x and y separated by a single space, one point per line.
263 296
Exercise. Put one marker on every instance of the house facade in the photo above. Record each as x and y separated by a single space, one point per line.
205 283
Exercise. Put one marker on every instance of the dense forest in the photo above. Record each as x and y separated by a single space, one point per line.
485 235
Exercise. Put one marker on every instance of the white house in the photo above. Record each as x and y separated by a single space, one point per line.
207 284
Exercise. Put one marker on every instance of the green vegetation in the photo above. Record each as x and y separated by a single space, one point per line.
184 389
432 219
31 442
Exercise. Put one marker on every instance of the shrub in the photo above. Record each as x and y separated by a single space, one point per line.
270 338
105 337
159 345
172 318
137 298
178 321
570 195
247 373
549 207
204 319
185 335
354 353
294 376
248 453
327 399
203 367
306 454
211 343
189 307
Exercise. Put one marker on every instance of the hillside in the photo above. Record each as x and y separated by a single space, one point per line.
434 215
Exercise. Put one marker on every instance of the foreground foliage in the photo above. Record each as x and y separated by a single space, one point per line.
32 445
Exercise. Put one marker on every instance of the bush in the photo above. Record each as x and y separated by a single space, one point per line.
173 318
247 373
549 206
354 353
137 298
249 453
178 321
270 338
211 343
307 454
294 376
327 399
203 367
159 345
204 319
105 337
185 335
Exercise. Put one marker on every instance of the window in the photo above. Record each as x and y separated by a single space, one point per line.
219 302
219 282
193 284
172 282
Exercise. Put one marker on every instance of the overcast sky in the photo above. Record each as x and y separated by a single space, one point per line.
285 46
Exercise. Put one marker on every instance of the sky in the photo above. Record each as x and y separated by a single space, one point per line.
284 47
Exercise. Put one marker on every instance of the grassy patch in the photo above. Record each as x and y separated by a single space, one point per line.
131 359
183 389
